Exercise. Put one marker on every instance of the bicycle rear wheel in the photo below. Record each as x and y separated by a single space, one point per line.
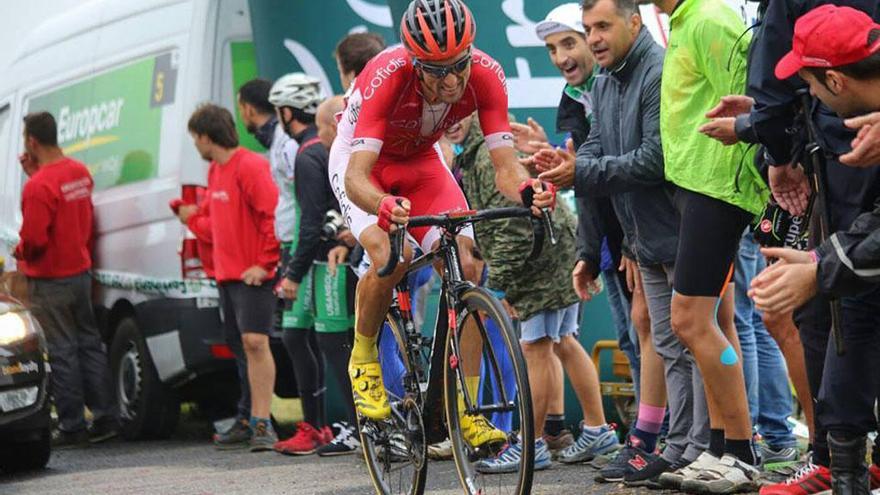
503 397
395 449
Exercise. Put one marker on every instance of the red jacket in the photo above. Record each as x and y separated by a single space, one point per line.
239 216
56 230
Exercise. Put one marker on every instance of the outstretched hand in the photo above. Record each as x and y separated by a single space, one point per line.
529 137
562 173
866 145
721 129
731 106
790 188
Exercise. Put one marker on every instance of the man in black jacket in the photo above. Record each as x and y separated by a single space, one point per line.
837 52
563 34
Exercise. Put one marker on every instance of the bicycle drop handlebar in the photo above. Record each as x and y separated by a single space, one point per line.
456 220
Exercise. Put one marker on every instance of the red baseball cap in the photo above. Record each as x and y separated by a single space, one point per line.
828 36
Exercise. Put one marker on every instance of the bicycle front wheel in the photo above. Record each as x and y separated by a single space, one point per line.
485 379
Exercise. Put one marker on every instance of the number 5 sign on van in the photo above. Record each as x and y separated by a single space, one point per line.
164 80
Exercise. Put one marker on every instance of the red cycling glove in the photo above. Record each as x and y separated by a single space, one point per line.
526 193
386 206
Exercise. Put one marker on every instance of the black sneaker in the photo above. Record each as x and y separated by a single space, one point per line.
70 439
263 437
617 469
236 437
346 442
103 430
646 469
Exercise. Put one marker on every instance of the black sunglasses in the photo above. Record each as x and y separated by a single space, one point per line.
441 71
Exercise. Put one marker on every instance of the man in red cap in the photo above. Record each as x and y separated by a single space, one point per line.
836 50
852 57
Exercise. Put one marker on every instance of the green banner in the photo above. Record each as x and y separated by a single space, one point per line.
112 121
297 35
505 30
301 35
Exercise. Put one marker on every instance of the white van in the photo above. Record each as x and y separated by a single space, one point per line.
121 79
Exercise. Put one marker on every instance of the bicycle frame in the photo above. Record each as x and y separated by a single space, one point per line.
453 284
415 342
423 399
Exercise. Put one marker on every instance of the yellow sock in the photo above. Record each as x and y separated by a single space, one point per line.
364 349
473 387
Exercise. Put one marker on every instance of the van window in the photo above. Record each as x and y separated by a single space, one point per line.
112 121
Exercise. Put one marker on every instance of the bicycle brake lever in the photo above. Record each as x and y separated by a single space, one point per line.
400 242
548 224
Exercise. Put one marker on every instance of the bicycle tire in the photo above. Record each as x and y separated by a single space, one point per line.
376 465
478 301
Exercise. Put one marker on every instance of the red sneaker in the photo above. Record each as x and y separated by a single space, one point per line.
327 435
306 441
809 480
874 473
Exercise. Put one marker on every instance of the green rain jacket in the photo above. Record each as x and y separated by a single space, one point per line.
705 60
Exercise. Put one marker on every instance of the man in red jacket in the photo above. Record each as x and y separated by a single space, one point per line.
239 218
54 254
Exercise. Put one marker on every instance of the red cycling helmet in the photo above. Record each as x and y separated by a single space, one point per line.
437 29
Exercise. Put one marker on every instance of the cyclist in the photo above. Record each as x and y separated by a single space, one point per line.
385 165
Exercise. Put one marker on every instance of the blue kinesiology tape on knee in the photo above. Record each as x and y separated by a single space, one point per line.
729 357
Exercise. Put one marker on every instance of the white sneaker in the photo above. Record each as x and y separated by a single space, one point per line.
673 480
440 451
728 475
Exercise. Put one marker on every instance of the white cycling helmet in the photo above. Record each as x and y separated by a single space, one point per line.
297 90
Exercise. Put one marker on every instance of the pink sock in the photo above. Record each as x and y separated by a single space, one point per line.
650 418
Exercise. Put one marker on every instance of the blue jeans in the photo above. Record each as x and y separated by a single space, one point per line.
627 338
769 396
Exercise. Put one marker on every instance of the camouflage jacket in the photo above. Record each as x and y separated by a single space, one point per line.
530 287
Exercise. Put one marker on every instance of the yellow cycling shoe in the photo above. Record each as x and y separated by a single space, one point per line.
369 391
478 431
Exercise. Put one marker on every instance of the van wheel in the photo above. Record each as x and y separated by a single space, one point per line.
147 407
26 456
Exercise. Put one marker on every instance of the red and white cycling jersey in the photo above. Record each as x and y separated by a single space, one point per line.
387 114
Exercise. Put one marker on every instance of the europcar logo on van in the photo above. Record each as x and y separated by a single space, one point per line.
81 124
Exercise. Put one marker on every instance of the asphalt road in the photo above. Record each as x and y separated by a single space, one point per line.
189 465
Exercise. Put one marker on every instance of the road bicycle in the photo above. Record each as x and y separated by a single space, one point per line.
430 394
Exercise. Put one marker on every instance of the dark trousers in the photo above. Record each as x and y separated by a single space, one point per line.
80 371
844 387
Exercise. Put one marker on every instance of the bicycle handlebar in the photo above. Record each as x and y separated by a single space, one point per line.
454 220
